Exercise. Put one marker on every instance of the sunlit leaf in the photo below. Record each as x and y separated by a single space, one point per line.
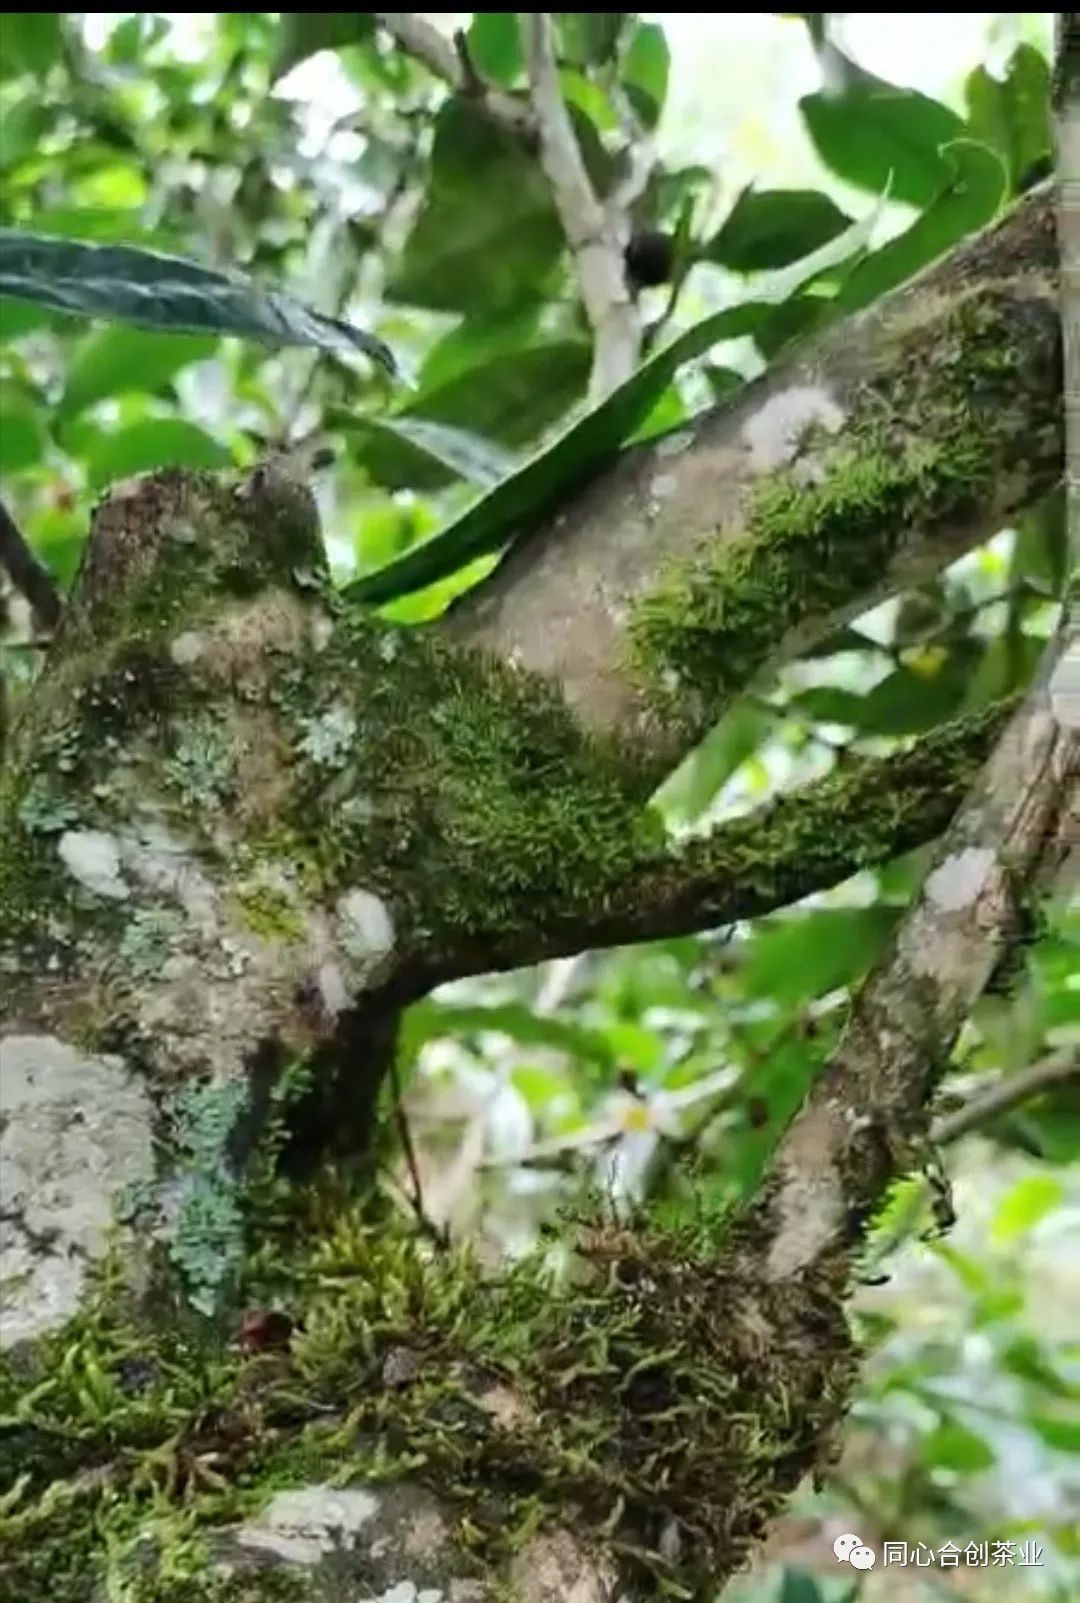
117 360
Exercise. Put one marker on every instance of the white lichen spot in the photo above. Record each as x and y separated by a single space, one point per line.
1065 688
662 486
409 1592
93 858
365 928
327 738
333 991
959 880
186 648
75 1132
775 432
675 444
303 1525
322 628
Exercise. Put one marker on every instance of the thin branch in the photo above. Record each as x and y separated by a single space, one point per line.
592 232
1009 1092
864 1119
422 40
30 578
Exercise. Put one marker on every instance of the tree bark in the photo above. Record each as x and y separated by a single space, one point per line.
242 825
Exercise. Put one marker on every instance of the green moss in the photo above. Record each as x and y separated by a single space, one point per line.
659 1383
960 398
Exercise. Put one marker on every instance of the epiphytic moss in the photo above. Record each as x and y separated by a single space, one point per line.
660 1399
963 399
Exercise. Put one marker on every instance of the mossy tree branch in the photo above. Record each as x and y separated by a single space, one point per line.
868 460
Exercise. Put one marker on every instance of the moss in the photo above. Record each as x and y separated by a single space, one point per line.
962 400
658 1383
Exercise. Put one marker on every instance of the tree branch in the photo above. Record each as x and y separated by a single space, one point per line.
422 40
864 1119
870 459
1009 1092
591 230
870 811
30 578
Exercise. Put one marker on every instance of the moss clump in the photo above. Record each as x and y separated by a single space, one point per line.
466 792
962 400
660 1396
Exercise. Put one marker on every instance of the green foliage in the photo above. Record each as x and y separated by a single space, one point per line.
165 292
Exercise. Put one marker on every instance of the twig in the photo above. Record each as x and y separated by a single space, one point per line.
27 574
416 1197
592 232
1008 1092
422 40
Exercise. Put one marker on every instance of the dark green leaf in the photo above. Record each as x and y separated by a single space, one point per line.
908 702
975 188
303 33
513 397
114 361
645 71
796 958
882 138
30 41
414 453
587 445
587 38
153 443
165 292
487 237
494 43
1013 115
771 227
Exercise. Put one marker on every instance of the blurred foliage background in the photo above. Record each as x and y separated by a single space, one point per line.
307 151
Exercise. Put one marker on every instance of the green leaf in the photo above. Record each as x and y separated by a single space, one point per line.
1025 1204
415 453
153 443
644 72
487 238
494 43
22 434
794 959
771 227
798 1587
975 188
30 41
513 397
428 1019
953 1446
304 33
587 38
1063 1435
114 361
136 286
876 137
589 444
1013 114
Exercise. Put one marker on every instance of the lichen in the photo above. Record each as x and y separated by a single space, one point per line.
928 439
